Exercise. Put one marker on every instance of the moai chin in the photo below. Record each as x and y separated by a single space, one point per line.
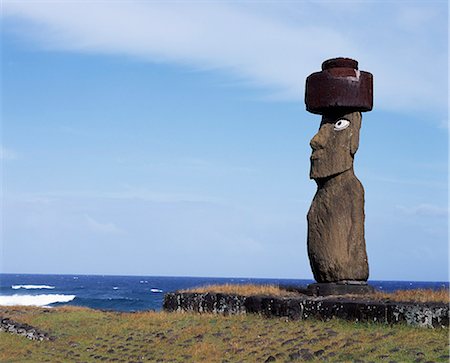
336 244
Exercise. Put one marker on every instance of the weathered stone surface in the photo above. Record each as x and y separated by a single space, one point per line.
331 288
339 86
322 307
336 244
9 326
333 149
209 302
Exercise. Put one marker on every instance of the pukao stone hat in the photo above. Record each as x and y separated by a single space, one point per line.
340 86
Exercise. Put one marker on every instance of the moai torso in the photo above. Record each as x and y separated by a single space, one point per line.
336 244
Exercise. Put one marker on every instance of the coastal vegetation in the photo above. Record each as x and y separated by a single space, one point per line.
243 290
86 335
415 295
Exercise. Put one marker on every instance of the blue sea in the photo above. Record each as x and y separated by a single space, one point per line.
133 293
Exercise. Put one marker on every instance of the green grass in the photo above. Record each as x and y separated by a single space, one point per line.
84 335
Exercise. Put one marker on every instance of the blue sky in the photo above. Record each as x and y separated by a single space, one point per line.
171 138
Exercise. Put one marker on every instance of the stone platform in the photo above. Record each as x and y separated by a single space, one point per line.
430 315
340 288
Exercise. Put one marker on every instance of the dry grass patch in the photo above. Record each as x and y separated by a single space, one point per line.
243 290
416 295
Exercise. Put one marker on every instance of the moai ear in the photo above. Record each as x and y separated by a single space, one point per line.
354 143
356 126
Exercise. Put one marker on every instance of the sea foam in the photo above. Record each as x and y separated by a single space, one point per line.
30 287
34 300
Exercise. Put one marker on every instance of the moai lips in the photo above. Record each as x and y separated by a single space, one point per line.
339 86
336 243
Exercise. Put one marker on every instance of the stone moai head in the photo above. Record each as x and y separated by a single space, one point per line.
340 92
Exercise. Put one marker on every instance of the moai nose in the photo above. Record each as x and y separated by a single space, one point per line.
318 141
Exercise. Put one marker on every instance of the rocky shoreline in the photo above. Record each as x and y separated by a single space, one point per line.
430 315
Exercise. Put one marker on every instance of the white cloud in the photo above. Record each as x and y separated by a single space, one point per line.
425 210
415 16
137 193
413 182
7 154
274 46
99 227
443 124
186 163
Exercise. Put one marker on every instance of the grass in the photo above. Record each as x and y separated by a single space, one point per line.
85 335
416 295
243 290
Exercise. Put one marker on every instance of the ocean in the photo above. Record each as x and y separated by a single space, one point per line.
133 293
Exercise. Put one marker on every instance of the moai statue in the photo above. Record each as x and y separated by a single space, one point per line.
336 244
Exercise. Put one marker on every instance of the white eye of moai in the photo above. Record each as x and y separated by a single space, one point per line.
341 124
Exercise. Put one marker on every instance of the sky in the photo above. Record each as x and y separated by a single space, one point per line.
170 138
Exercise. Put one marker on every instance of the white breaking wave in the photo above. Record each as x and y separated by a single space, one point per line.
156 290
29 287
34 300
